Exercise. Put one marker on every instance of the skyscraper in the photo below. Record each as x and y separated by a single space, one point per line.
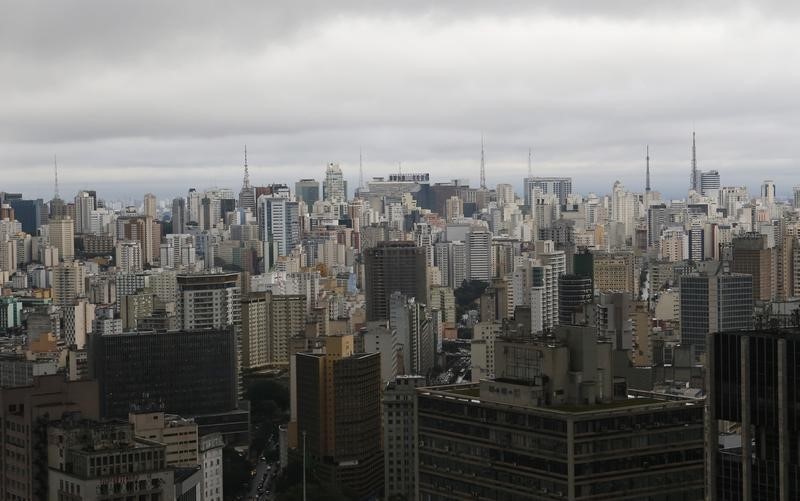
709 183
307 190
752 255
339 414
753 415
208 301
714 302
479 255
559 186
393 266
149 205
399 455
279 221
179 215
61 232
334 188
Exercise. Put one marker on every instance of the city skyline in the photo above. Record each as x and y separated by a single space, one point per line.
150 103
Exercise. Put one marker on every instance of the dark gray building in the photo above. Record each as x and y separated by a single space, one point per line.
754 415
307 190
30 213
394 266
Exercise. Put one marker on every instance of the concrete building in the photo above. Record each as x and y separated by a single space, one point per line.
26 412
128 256
69 282
307 191
482 349
752 255
61 233
479 255
559 186
556 422
614 272
399 446
334 188
178 435
93 461
211 446
208 301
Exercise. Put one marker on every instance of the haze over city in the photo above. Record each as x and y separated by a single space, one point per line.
153 97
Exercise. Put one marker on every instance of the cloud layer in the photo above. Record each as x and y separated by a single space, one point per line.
161 96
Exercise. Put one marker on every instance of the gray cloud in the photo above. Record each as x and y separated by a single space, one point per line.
158 96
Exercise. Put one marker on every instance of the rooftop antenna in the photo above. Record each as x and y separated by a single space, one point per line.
647 184
483 165
55 167
360 170
530 163
246 182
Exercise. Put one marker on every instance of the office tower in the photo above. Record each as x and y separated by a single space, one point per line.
69 282
574 291
714 302
129 256
85 203
411 320
709 183
696 245
247 195
796 199
339 415
479 255
149 206
133 369
61 233
179 435
287 319
279 221
208 301
179 215
752 415
559 186
530 433
334 188
146 231
768 192
614 271
395 266
26 412
694 177
89 459
444 300
307 191
255 330
399 447
30 213
752 255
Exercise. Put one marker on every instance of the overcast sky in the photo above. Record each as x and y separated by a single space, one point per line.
161 96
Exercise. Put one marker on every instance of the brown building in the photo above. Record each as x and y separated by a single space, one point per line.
751 255
339 411
26 412
395 266
614 272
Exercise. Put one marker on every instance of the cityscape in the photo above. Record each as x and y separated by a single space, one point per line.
402 339
399 251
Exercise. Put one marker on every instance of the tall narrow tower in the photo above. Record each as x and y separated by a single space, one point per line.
647 181
695 180
483 166
247 196
56 194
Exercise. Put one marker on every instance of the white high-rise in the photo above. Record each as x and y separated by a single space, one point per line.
479 255
333 188
129 256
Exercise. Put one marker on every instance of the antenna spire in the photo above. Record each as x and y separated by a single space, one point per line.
55 168
483 165
360 170
246 181
530 163
647 184
694 184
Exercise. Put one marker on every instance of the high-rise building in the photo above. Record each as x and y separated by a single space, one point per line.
768 192
614 271
144 229
531 433
334 189
179 215
412 323
279 221
85 203
399 447
179 435
453 209
796 199
32 214
129 256
150 206
208 301
26 412
307 191
752 255
559 186
339 415
69 282
753 415
714 302
61 233
614 319
394 266
189 373
709 183
574 291
479 255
